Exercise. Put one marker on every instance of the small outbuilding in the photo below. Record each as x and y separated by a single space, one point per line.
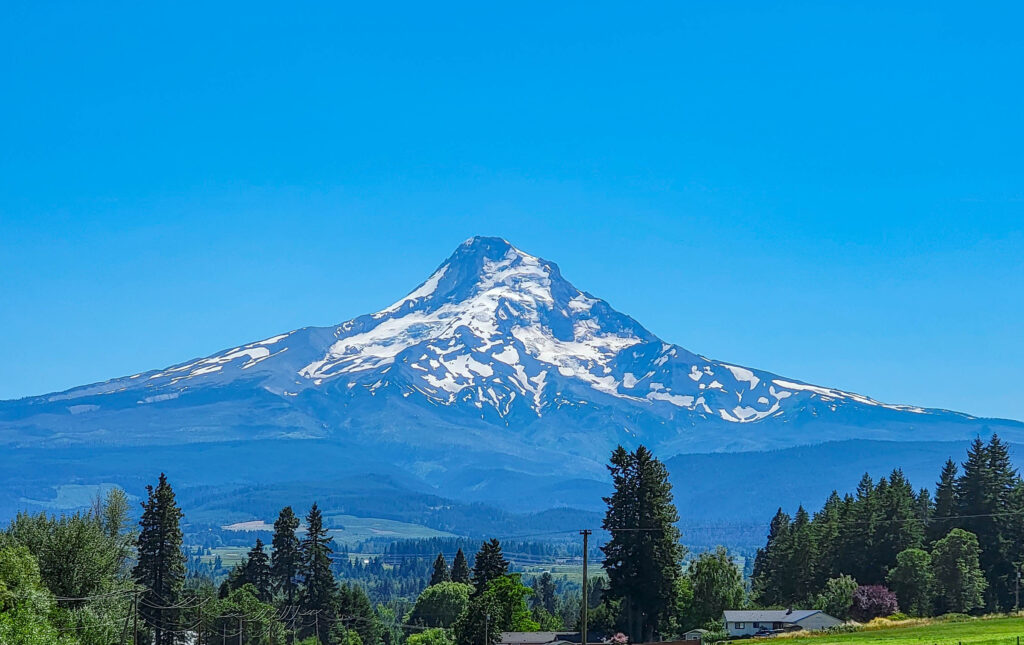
695 636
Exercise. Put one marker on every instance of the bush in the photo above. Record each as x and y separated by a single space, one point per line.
845 628
898 616
837 597
873 601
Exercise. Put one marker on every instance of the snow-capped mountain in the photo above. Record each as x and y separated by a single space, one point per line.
494 356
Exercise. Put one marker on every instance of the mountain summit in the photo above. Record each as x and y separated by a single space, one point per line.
494 359
496 333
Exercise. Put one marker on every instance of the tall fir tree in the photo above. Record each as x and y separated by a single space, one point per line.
319 589
643 556
802 557
160 568
489 564
544 592
440 573
257 571
286 560
460 569
947 506
855 545
983 500
898 526
998 549
770 575
826 527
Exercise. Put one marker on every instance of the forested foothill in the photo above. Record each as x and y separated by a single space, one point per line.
98 577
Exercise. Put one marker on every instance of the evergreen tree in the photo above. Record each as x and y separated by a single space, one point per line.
257 571
355 613
544 593
801 563
983 492
488 565
287 557
643 557
440 573
771 561
460 569
856 544
319 588
998 559
826 530
946 503
160 568
898 525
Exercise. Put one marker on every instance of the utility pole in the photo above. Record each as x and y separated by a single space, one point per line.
199 628
241 628
586 607
487 629
135 619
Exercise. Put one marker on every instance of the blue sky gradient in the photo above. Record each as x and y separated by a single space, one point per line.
832 193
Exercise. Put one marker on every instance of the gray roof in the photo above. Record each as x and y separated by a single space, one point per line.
769 615
540 638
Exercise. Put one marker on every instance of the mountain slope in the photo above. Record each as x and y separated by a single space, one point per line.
492 368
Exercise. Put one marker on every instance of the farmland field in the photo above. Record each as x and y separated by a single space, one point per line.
992 631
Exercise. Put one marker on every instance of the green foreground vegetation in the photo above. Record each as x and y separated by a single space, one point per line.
980 631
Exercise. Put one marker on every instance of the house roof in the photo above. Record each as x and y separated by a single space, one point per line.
769 615
537 638
696 631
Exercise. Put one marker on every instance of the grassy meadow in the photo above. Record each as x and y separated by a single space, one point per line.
983 631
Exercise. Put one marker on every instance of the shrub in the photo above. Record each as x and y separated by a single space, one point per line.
873 601
837 597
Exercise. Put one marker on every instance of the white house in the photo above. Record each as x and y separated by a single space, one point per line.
747 623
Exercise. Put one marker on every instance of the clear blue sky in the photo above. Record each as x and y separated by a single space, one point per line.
832 193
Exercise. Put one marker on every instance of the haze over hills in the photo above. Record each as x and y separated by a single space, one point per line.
494 381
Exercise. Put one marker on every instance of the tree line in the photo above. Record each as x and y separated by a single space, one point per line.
955 551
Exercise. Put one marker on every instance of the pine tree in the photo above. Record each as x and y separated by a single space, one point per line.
488 565
857 543
460 569
897 526
827 526
643 557
801 564
770 562
287 556
319 588
160 568
998 560
980 504
544 593
257 571
946 503
440 573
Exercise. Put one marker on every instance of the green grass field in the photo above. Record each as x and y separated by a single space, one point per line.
991 631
